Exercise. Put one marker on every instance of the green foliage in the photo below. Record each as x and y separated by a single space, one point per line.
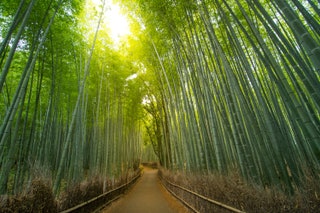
101 133
211 86
232 93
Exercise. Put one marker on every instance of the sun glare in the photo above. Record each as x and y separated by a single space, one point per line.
117 22
114 20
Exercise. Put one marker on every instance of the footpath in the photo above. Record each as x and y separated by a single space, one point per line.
147 196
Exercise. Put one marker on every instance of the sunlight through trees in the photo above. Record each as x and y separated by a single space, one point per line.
201 86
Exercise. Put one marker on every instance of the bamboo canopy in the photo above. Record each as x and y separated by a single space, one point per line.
217 86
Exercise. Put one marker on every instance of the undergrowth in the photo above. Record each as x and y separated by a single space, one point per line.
38 195
235 192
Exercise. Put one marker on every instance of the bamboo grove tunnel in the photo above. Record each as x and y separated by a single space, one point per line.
223 94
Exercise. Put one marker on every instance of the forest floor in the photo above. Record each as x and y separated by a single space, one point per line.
147 195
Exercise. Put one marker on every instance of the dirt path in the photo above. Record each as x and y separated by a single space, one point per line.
148 195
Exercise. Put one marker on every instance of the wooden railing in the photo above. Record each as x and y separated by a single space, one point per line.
213 202
99 202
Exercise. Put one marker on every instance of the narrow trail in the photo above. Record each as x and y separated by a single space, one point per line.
147 196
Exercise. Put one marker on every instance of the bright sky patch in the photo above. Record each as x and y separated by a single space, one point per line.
116 22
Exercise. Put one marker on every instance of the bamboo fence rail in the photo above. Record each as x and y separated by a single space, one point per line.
222 205
83 206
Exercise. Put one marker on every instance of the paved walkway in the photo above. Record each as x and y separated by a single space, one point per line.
147 196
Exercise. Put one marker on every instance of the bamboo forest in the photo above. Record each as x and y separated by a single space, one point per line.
224 95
